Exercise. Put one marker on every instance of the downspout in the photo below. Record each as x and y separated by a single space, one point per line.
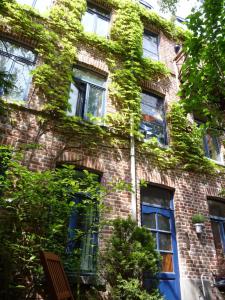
133 173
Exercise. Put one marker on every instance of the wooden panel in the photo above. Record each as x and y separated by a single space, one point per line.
56 277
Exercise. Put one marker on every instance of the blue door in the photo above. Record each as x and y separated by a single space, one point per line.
158 217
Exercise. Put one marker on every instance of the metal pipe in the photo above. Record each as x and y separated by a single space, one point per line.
133 174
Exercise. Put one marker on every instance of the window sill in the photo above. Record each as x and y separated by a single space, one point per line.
221 164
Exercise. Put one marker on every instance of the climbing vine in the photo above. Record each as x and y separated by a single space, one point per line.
57 37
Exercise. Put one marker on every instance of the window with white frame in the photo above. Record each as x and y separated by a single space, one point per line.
150 45
217 217
153 117
96 20
87 96
16 61
41 5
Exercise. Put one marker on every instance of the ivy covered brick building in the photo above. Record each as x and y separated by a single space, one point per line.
95 85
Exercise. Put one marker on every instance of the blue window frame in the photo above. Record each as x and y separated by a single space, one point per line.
96 20
153 122
87 96
158 217
217 217
83 232
17 61
150 45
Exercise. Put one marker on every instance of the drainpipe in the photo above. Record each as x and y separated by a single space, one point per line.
133 174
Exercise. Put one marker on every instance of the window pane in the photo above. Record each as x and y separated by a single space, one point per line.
149 221
9 49
94 104
165 242
89 76
216 234
28 2
212 147
150 130
88 21
216 208
156 196
152 106
74 93
43 5
102 27
163 223
150 46
167 262
153 124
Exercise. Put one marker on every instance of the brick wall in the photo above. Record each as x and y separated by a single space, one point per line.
197 254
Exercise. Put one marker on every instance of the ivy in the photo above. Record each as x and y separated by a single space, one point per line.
57 37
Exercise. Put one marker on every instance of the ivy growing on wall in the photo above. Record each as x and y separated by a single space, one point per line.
57 37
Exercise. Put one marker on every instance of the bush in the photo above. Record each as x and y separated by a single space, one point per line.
130 255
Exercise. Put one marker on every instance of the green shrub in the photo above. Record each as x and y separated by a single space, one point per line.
130 253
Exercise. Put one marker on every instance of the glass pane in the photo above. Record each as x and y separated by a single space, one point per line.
156 195
74 93
88 21
28 2
89 76
94 104
212 147
165 242
216 234
43 5
102 27
9 49
163 223
152 106
149 221
153 129
150 44
22 80
167 262
216 208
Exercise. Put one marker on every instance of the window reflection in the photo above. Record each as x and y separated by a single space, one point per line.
17 61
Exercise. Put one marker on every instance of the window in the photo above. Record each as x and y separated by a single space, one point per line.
153 117
83 230
150 45
18 61
87 96
96 20
41 5
217 216
212 147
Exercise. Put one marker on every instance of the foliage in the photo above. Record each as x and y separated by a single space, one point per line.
198 218
204 69
187 141
130 254
35 212
57 38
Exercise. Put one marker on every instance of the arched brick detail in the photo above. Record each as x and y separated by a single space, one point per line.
82 160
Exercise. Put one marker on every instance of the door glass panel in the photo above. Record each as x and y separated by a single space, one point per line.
167 262
95 102
216 234
156 196
163 223
165 241
154 237
216 208
148 220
